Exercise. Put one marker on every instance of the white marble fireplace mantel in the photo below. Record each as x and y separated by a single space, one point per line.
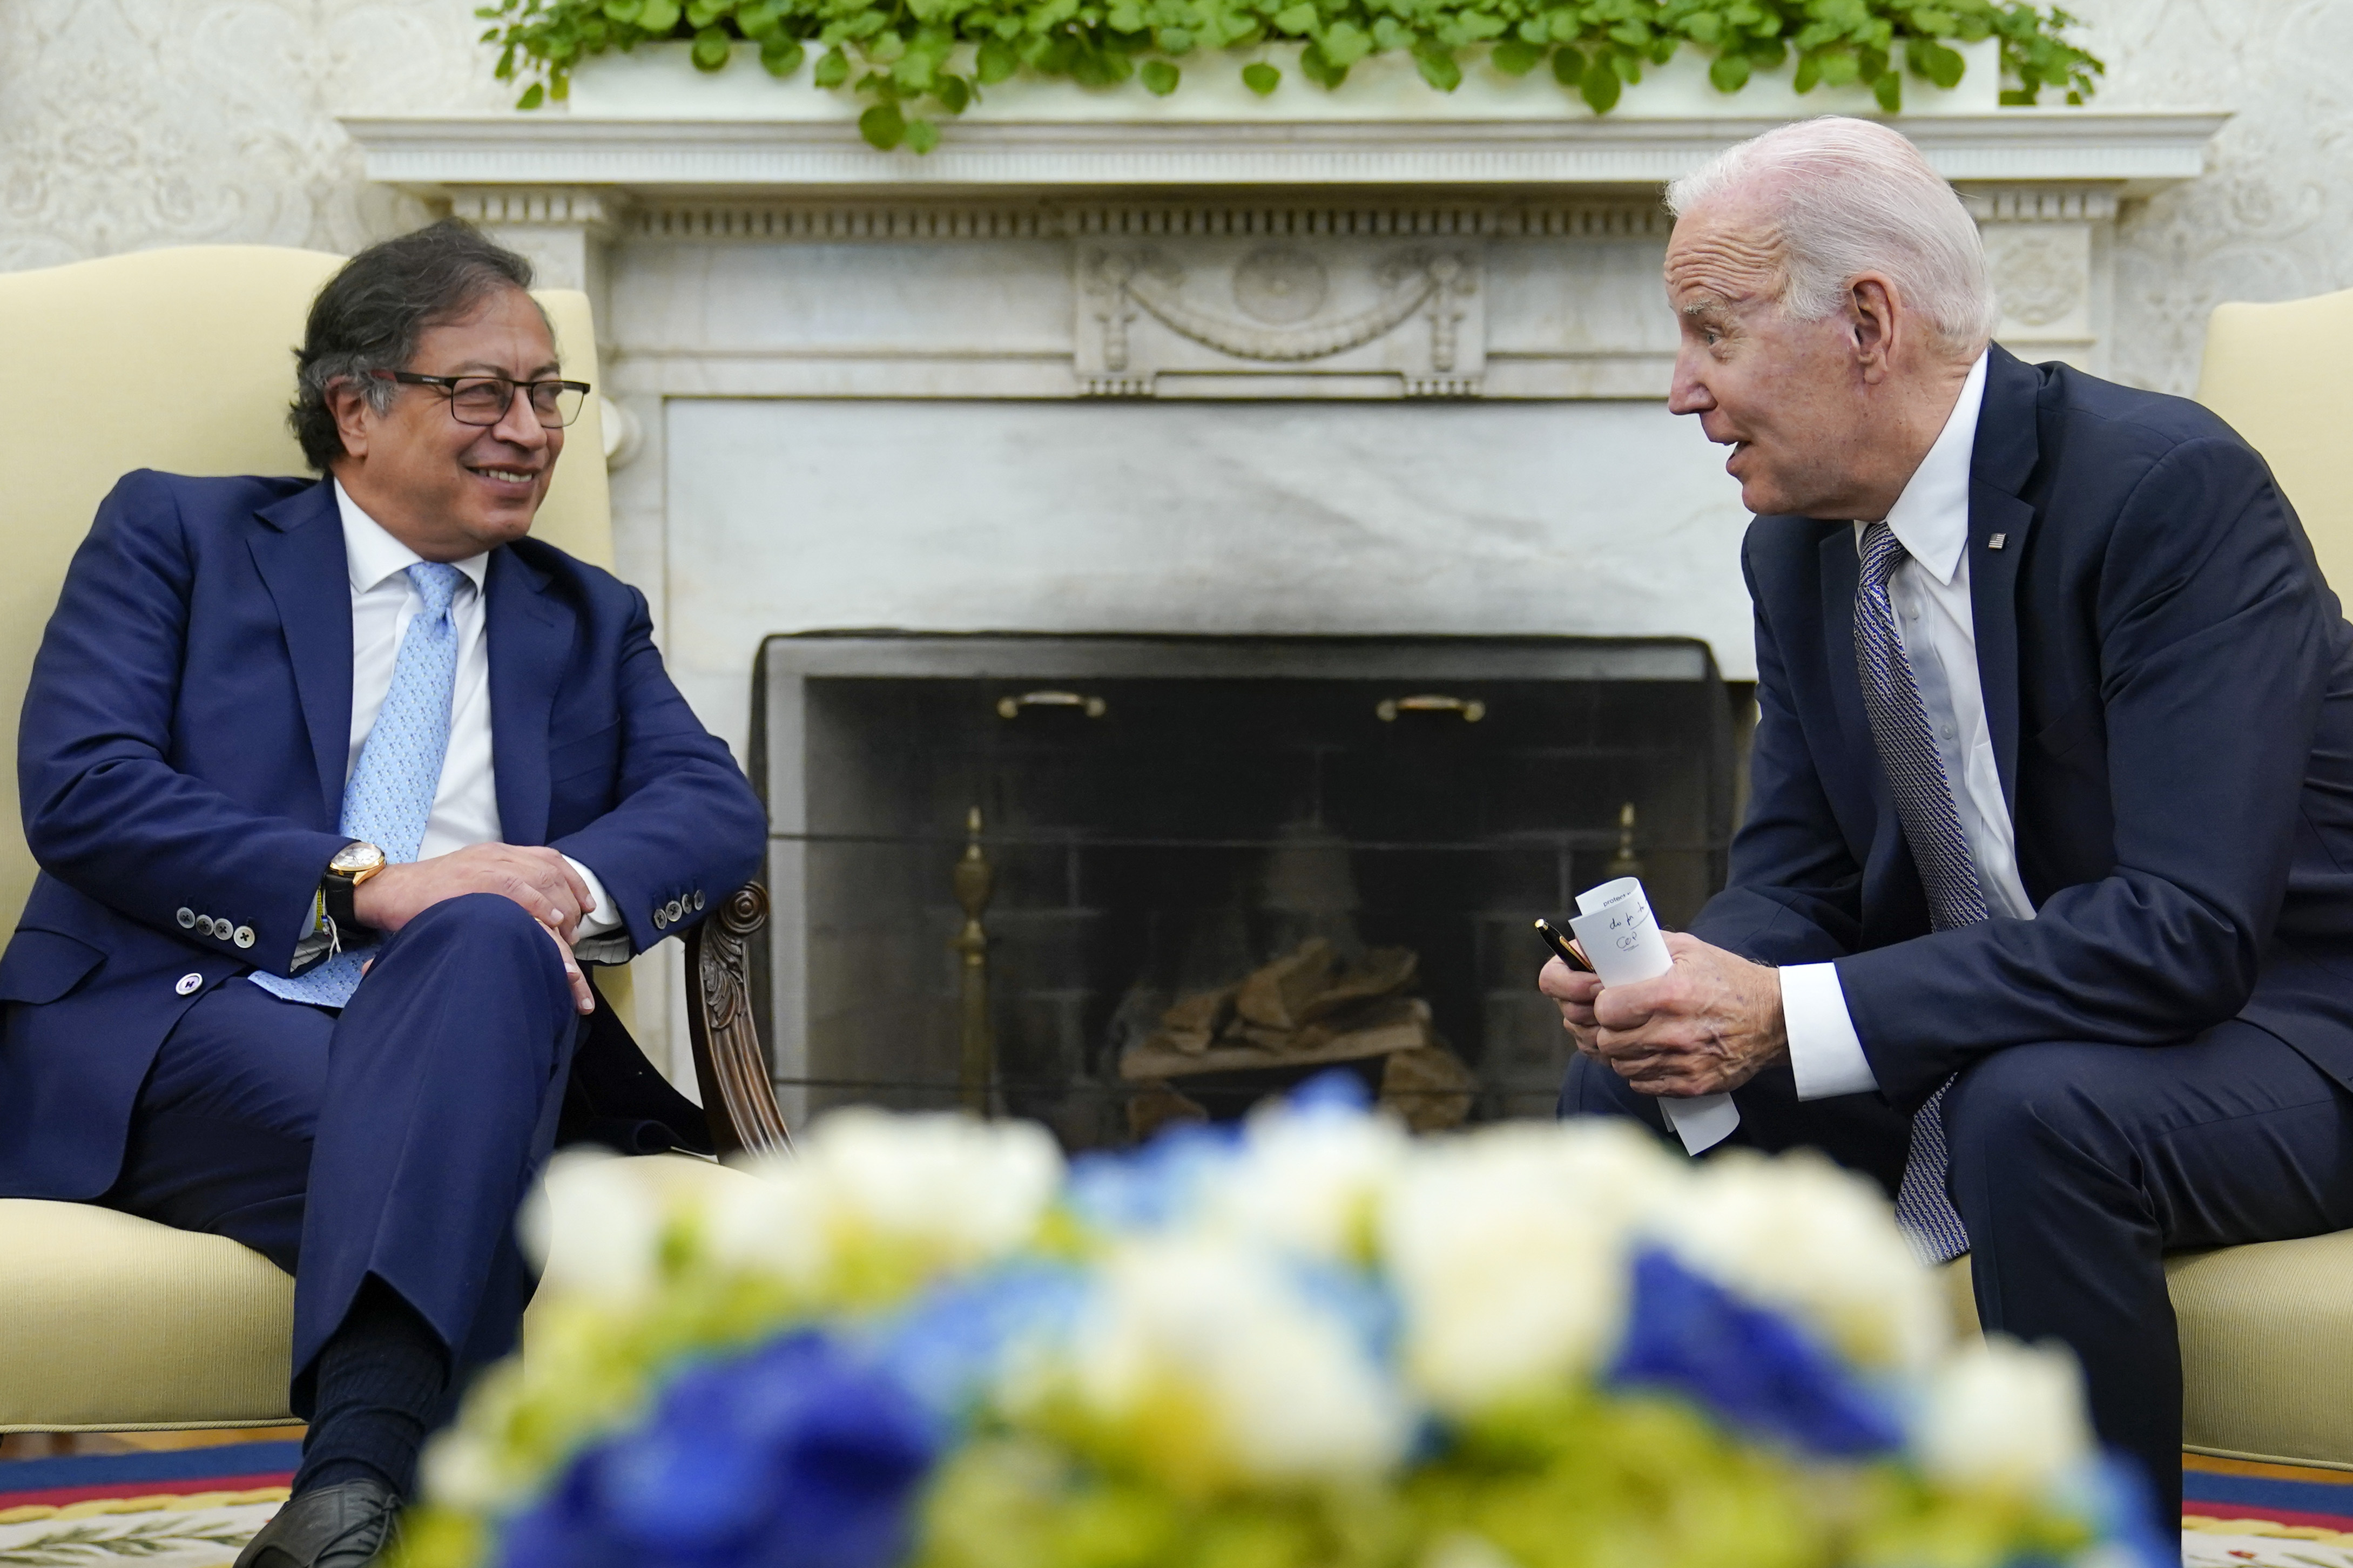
800 330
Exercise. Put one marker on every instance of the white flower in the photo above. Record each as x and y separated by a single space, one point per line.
771 1225
1307 1180
593 1226
1507 1247
2003 1415
1799 1234
956 1191
1203 1341
973 1190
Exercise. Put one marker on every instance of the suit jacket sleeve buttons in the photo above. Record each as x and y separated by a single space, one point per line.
244 936
661 917
697 898
187 917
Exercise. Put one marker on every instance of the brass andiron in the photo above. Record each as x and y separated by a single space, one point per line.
974 879
1625 863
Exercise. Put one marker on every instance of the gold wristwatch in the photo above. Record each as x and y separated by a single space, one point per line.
354 863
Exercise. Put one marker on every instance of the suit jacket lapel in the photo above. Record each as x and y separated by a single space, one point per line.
528 635
300 554
2002 458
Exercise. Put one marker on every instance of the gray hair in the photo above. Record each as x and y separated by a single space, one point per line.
1850 198
373 311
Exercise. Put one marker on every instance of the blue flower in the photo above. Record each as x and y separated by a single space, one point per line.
796 1456
1752 1367
949 1346
1151 1187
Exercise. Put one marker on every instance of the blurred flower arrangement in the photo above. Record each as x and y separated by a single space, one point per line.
1309 1341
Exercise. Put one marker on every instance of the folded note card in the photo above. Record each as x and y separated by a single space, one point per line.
1621 940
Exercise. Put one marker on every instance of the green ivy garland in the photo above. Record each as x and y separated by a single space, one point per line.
907 50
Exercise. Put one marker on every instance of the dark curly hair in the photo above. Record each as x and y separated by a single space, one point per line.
372 312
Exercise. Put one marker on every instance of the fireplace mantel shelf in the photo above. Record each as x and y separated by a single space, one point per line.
2131 154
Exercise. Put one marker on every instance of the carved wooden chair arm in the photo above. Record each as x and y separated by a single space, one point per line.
737 1095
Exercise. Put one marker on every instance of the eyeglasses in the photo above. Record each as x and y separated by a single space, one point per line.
485 399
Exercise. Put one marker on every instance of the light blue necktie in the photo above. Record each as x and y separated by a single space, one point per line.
1932 827
390 796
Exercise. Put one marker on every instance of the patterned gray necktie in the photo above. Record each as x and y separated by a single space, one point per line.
1932 827
389 799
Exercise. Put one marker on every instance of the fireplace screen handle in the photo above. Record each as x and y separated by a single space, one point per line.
1011 707
1470 707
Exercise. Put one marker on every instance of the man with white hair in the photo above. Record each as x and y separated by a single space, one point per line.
2042 912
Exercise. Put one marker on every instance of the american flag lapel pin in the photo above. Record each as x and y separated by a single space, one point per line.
1997 542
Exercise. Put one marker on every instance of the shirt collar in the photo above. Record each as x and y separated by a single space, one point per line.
372 555
1931 518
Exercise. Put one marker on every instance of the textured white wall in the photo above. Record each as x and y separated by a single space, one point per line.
129 123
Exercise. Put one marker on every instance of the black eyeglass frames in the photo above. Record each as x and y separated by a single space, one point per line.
485 399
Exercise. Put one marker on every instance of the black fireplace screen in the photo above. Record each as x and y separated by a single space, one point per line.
1195 869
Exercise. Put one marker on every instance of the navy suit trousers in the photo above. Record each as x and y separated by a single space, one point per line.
396 1139
2076 1168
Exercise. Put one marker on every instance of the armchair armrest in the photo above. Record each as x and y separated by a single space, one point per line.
737 1095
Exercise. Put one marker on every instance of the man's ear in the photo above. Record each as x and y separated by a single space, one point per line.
1871 313
354 417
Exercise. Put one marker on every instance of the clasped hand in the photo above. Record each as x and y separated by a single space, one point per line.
1709 1024
539 880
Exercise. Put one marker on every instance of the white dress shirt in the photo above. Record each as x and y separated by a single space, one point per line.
384 601
1930 593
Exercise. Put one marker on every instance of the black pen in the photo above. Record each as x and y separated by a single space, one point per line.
1562 947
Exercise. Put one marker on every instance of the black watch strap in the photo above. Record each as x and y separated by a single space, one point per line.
337 898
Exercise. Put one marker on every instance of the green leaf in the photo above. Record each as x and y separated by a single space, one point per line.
1173 40
782 55
1942 66
1437 66
997 62
1160 77
1889 90
1388 33
954 92
625 10
884 126
712 49
1600 88
1515 57
1345 43
1728 73
922 136
658 16
1315 68
1810 73
532 97
832 68
1295 19
1260 78
703 14
1568 65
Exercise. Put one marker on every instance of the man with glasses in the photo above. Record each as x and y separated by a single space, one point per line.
334 783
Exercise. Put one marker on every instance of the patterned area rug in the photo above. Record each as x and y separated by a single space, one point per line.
2238 1514
193 1507
196 1508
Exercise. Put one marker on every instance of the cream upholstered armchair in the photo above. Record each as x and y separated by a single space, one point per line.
181 359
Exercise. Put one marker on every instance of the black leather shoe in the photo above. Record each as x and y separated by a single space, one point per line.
344 1526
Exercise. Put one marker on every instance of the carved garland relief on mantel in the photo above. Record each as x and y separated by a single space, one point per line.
1372 318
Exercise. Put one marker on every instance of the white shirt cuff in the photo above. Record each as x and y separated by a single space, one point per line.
1824 1053
600 917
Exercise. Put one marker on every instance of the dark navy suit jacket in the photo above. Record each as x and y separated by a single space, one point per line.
184 745
2169 686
